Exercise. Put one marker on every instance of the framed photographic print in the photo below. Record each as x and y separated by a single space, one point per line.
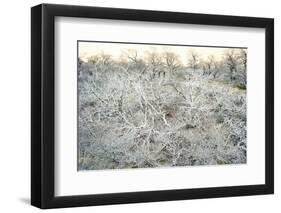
139 106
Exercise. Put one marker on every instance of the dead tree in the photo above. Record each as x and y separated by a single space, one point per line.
94 59
243 58
131 55
105 59
243 61
154 60
208 65
171 61
193 60
231 61
217 69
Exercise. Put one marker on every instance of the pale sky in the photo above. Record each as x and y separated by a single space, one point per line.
87 49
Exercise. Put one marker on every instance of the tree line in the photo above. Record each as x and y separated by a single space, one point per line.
233 63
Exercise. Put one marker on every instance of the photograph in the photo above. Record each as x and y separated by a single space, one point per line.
160 105
134 105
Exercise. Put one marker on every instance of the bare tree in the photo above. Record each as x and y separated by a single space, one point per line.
105 59
193 60
154 60
208 65
171 60
243 58
231 61
94 59
131 55
218 67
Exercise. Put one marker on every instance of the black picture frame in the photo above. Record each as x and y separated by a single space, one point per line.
43 105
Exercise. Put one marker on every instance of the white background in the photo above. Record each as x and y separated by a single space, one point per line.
15 106
70 182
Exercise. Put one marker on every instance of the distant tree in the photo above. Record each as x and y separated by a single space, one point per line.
131 55
205 67
101 58
243 58
208 65
211 61
94 59
193 60
231 60
154 60
133 58
105 59
218 67
171 60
